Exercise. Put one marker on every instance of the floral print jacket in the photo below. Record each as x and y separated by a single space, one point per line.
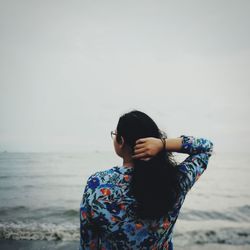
107 219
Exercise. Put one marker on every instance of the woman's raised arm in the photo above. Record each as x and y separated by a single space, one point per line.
146 148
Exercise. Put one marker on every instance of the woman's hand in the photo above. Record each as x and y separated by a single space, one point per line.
146 148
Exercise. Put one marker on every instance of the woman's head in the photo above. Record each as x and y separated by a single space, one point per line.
154 182
131 127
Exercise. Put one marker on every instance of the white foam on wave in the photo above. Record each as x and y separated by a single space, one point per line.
39 231
231 236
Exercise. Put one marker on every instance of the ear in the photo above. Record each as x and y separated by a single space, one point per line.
121 142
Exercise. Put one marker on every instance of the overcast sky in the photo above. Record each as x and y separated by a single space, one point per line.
69 69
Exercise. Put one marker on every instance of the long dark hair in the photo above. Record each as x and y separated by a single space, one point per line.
154 182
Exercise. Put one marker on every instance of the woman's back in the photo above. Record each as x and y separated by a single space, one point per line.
107 213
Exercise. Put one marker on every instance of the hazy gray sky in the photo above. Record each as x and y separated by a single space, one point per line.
69 69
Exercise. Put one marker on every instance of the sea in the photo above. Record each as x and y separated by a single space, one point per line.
40 194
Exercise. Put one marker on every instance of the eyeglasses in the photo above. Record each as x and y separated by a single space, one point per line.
113 133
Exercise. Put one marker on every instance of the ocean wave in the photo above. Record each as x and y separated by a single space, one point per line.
39 231
231 236
37 176
9 210
41 187
236 214
29 213
70 232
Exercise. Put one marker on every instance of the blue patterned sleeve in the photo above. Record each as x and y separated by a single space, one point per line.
199 150
88 231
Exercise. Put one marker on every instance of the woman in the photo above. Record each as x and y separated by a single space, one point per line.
135 205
